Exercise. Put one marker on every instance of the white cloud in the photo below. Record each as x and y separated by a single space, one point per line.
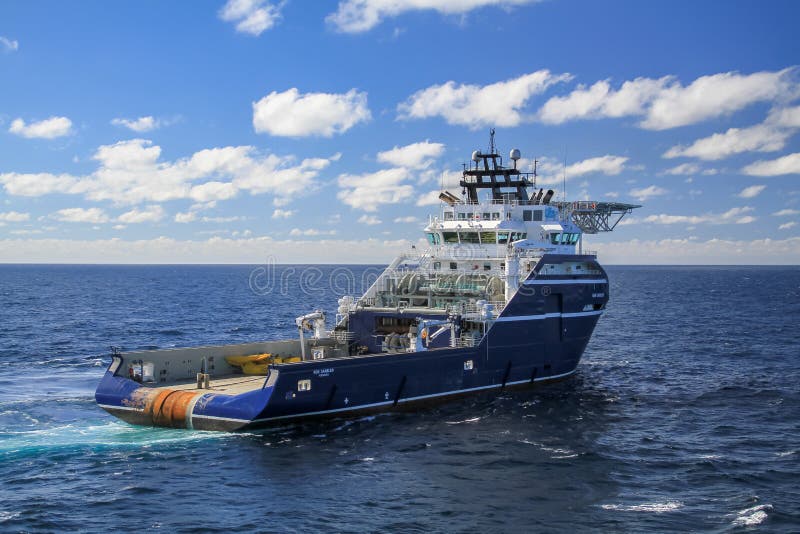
251 16
152 213
690 251
186 217
368 191
789 164
786 213
140 125
733 215
212 250
788 225
282 214
8 45
683 169
611 194
769 136
212 191
232 218
751 191
647 192
291 114
414 156
474 106
600 101
369 220
552 172
665 103
407 220
311 232
14 216
354 16
81 215
131 172
45 129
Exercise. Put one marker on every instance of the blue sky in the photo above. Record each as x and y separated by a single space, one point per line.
320 131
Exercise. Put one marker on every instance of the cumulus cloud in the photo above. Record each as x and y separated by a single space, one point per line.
787 226
733 215
601 101
8 45
788 212
414 156
131 172
690 251
45 129
140 125
253 17
683 169
369 220
291 114
475 106
369 191
311 232
81 215
789 164
14 216
355 16
214 250
152 213
282 214
647 192
769 136
751 191
665 103
552 172
185 217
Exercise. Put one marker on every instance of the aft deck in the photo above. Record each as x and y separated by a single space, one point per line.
224 385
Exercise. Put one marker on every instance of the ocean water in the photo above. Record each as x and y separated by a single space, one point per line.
684 415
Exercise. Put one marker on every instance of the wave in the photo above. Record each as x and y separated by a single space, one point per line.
651 507
110 435
752 516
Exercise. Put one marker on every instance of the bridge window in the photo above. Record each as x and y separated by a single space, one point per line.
574 239
516 236
450 237
453 266
527 215
448 216
502 237
462 216
488 238
537 215
496 216
469 237
437 265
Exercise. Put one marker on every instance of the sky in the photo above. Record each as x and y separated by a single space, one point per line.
321 132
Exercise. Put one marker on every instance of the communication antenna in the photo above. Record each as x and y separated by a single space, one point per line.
564 177
491 141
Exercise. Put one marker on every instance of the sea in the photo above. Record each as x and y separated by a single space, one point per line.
683 416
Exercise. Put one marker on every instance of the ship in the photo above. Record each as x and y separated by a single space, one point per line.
504 296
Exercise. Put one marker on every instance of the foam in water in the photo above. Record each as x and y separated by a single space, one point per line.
652 507
105 435
752 516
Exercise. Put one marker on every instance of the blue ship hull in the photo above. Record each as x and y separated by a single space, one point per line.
539 336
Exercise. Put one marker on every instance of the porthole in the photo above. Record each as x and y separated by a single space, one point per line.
468 365
304 385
